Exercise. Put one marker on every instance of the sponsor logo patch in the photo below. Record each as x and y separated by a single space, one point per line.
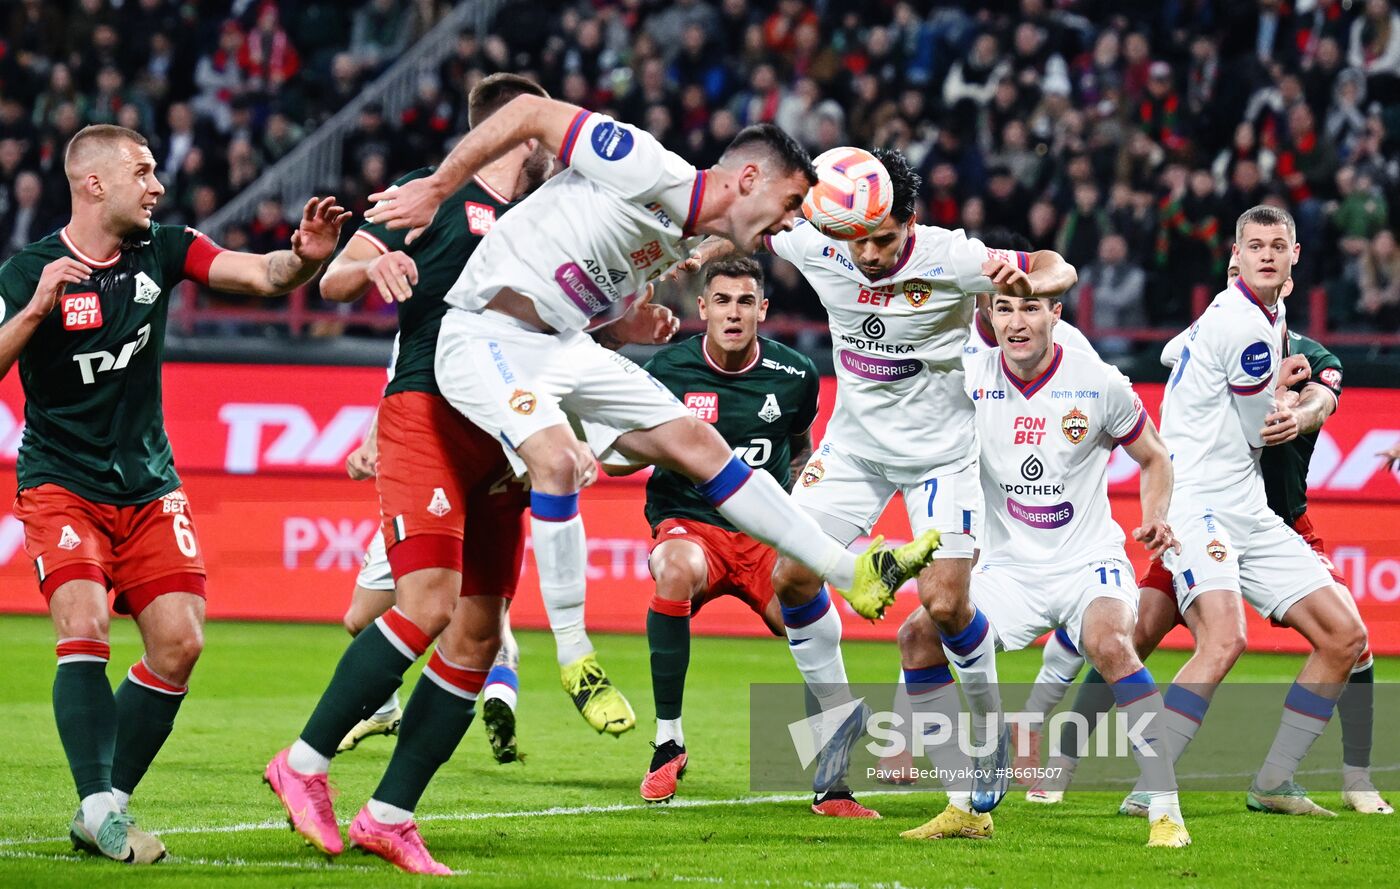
677 530
917 292
1075 425
147 291
1044 517
704 405
480 218
611 141
1032 469
1216 550
1255 360
979 394
522 402
81 311
1331 377
813 473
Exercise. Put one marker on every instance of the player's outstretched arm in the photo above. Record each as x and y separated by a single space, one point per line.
1156 491
360 265
413 204
645 323
273 274
1301 416
17 332
1046 274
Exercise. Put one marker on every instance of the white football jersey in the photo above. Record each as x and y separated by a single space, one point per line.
1064 333
1220 391
897 342
1045 450
593 236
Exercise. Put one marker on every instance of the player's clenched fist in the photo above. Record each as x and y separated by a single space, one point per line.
1008 278
56 276
395 274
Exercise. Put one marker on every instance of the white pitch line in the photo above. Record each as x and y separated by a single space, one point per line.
555 811
241 863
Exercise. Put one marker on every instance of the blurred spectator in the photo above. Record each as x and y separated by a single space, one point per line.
1119 291
1380 284
1085 227
219 76
1374 47
25 220
269 229
371 135
381 31
267 56
975 77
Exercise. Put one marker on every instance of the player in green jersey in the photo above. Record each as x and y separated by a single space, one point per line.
761 397
1290 437
85 315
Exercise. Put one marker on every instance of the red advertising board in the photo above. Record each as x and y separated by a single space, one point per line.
262 449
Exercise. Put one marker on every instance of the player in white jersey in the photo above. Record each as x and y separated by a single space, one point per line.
1216 414
981 337
900 302
512 355
1048 417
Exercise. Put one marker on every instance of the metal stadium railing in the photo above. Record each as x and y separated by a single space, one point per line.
315 163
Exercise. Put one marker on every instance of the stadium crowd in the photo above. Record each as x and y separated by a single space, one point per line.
1126 136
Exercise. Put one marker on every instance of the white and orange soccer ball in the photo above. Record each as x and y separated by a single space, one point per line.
852 196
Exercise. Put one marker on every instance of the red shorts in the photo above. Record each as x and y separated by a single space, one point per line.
736 564
1304 527
1159 578
447 497
140 551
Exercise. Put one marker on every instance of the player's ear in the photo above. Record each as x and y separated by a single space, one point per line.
704 309
763 309
1056 309
749 177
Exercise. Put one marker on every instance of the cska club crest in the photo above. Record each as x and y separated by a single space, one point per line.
522 402
813 473
917 292
1075 425
1216 550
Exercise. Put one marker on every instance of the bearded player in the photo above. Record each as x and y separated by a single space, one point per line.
101 503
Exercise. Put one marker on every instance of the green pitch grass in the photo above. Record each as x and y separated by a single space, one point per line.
571 815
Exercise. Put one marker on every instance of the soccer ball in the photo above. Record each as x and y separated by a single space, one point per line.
852 196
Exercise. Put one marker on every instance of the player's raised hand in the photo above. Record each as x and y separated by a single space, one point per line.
55 277
411 206
319 232
395 274
646 323
1157 537
1008 278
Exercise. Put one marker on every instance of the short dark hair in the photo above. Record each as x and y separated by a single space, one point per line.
93 137
1263 214
905 180
492 94
777 145
734 267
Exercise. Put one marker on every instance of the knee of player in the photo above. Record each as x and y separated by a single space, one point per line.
677 579
557 471
173 657
354 621
1226 647
471 648
1350 639
919 644
794 583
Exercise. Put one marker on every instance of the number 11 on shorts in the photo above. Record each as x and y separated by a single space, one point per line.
1103 575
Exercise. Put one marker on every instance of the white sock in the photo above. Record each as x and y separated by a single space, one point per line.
932 692
387 814
123 799
1305 715
1182 717
96 807
561 555
303 758
759 507
1356 778
972 655
1139 704
904 710
1059 668
669 730
389 706
814 638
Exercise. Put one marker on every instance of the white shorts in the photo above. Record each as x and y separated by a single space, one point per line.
1255 555
513 381
374 568
855 492
1022 602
